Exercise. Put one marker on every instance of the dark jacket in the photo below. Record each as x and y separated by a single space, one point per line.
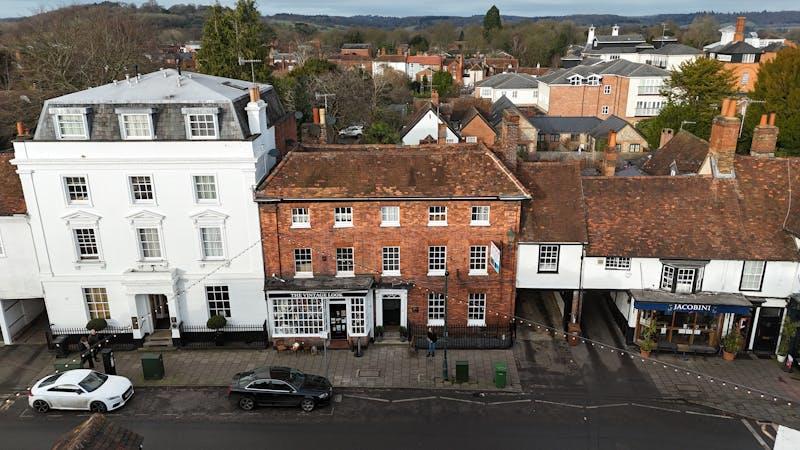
432 336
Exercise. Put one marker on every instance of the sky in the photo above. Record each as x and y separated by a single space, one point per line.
530 8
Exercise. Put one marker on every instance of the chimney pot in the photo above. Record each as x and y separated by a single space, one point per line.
763 120
666 136
315 114
772 119
20 128
765 137
255 94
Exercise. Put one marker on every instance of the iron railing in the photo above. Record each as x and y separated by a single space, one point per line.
462 336
650 90
119 338
232 336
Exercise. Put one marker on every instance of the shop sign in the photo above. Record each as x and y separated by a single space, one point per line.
316 295
688 307
494 254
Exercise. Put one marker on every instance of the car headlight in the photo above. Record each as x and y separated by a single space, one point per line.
118 397
323 395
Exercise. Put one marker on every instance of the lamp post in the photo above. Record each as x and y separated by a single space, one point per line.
445 374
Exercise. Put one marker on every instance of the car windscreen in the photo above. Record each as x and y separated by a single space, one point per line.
296 378
93 381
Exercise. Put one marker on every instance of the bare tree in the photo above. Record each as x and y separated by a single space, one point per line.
353 90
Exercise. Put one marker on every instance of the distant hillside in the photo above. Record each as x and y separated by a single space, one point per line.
762 19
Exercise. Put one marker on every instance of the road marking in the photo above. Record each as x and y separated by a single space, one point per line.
462 400
375 399
612 405
524 400
720 416
560 404
656 407
402 400
755 434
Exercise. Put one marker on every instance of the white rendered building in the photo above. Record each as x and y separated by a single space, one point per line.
140 194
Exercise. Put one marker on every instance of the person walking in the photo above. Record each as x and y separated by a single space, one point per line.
86 352
431 342
94 339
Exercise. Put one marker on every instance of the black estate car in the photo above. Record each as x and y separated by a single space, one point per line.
279 386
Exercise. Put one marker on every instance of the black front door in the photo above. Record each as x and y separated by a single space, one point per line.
391 310
338 321
767 329
159 308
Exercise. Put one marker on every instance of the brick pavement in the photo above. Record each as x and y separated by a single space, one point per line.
380 367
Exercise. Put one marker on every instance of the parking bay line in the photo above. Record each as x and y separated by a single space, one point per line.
403 400
360 397
508 402
720 416
560 404
462 400
755 434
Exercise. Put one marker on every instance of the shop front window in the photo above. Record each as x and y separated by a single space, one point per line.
298 316
681 280
692 331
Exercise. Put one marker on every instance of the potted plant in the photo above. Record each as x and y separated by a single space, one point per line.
788 332
648 342
731 344
217 323
379 332
97 324
403 333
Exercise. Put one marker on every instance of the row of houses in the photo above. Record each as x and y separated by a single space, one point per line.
155 205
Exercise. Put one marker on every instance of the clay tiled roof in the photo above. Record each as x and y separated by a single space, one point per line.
99 433
685 149
432 60
11 199
768 214
556 213
666 217
364 171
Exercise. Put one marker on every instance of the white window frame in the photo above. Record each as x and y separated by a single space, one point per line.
618 263
203 242
635 147
216 293
434 269
478 211
435 212
132 192
593 80
667 277
476 309
293 317
752 271
89 300
81 112
478 260
393 253
604 110
343 217
748 58
357 317
84 220
387 213
607 89
195 193
684 274
745 78
548 252
471 139
188 113
80 256
305 273
124 113
345 259
140 243
301 217
71 202
210 219
486 92
436 308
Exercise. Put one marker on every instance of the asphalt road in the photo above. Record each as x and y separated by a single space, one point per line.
202 418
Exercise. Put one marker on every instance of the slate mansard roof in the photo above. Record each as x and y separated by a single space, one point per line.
619 67
166 96
510 81
365 172
12 200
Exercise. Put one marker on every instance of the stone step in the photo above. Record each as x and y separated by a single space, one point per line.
391 342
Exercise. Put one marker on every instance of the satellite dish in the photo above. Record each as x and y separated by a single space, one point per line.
298 115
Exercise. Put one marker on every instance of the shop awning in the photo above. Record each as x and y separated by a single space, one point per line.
703 302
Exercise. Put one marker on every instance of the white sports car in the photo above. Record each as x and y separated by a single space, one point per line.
80 389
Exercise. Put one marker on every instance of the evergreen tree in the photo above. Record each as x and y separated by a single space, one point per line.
491 21
381 133
443 83
231 34
778 86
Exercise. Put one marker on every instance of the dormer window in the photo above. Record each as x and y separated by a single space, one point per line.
201 123
135 124
70 123
593 80
575 80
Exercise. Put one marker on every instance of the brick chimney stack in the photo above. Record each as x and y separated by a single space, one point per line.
610 155
765 137
508 142
738 35
666 136
722 143
460 72
442 135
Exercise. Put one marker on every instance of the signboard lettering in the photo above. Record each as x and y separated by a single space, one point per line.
494 254
688 307
316 294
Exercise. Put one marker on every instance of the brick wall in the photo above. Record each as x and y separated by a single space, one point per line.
285 133
481 130
588 101
413 237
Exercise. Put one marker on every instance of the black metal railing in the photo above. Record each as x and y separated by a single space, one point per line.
496 336
232 336
118 338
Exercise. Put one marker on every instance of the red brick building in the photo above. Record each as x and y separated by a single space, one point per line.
359 236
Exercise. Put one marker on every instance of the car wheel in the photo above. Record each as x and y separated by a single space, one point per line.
98 407
247 403
41 406
308 404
